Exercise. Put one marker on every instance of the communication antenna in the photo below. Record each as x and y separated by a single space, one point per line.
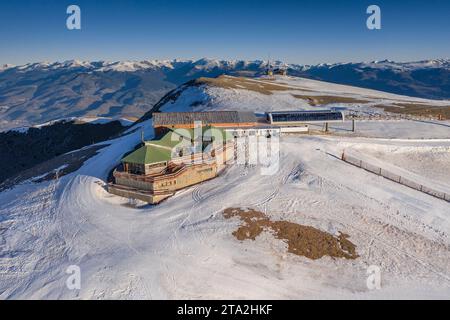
269 71
142 135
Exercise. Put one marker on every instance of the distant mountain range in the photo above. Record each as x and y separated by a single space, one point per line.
428 79
39 92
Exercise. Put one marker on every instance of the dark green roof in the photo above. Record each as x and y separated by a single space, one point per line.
168 141
148 154
160 150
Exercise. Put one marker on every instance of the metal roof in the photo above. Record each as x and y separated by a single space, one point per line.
305 116
161 150
302 111
207 118
148 154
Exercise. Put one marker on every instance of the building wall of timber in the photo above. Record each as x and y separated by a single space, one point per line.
189 170
144 169
151 198
165 128
187 176
187 120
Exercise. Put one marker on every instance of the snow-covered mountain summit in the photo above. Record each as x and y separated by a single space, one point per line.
185 248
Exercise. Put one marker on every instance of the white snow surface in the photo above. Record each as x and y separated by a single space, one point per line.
207 97
184 248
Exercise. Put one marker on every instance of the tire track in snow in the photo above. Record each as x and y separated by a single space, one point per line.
370 238
214 188
85 227
282 181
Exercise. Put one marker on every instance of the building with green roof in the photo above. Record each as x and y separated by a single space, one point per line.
148 154
155 155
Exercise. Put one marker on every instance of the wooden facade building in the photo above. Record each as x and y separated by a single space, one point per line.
160 167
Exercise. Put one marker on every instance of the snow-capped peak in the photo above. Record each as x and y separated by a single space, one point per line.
6 66
208 64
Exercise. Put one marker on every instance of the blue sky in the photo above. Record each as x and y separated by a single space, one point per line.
305 32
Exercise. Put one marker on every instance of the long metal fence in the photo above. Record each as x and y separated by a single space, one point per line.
395 177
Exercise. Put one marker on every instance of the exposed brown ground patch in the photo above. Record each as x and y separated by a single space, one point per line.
418 110
301 240
268 88
242 83
318 100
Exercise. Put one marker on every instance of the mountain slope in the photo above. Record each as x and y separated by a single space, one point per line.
40 92
21 151
184 248
425 79
293 93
